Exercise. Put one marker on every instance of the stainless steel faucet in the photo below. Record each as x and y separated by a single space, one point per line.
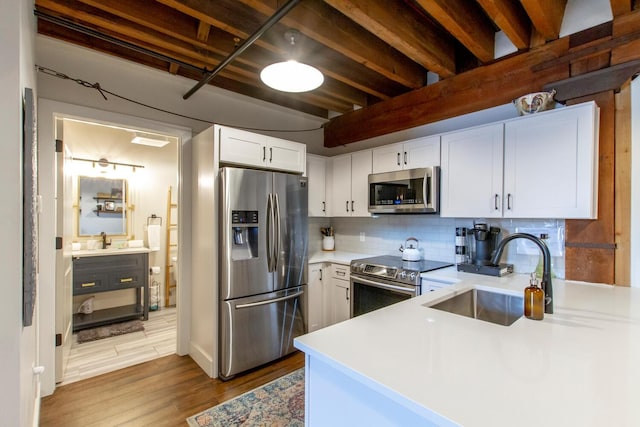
547 287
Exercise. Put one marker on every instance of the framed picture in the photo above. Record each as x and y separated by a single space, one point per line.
30 208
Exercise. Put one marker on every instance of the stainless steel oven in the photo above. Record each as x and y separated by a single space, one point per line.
381 281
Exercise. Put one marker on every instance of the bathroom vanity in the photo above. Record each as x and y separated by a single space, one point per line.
99 271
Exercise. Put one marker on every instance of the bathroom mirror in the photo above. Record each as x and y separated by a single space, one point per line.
102 206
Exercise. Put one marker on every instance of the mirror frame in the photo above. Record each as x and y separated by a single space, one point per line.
126 207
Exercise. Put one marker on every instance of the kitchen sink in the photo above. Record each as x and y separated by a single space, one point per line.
491 306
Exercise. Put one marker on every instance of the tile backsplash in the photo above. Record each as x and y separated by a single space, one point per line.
384 234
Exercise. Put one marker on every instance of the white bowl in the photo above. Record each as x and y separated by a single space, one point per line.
535 102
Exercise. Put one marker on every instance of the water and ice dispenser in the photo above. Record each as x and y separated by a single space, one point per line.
244 235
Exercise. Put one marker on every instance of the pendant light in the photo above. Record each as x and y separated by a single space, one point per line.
291 75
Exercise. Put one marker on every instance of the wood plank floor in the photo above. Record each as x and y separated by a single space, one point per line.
162 392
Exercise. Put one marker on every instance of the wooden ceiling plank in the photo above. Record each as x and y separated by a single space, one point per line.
511 18
466 22
324 24
399 27
546 16
203 31
173 68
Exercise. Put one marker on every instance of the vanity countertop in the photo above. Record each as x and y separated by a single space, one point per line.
110 251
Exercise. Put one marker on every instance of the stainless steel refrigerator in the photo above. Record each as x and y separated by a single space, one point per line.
262 274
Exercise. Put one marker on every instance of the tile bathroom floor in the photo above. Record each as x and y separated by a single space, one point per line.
93 358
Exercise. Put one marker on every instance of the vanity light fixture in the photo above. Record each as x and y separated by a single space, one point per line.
104 163
151 142
291 76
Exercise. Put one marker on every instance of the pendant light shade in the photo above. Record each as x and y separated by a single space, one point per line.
291 76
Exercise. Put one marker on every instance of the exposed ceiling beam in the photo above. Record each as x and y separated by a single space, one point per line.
203 31
546 16
511 18
466 22
399 27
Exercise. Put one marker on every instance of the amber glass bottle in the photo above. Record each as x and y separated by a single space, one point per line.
534 300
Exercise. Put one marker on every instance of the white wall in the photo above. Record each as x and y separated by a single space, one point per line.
635 182
19 400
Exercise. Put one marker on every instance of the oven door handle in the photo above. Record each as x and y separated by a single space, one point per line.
411 290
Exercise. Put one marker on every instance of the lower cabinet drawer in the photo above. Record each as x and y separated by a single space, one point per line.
89 283
125 279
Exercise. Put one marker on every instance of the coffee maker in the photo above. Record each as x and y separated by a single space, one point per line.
480 242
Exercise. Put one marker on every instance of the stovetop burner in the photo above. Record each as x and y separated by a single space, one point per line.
394 268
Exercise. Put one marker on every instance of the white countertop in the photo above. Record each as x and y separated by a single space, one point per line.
110 251
338 257
578 367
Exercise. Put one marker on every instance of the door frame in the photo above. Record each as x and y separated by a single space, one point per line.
48 112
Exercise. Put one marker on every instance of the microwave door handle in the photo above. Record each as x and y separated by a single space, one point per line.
426 190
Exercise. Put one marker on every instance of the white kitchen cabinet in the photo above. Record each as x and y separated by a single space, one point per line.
416 153
349 184
316 175
339 294
317 317
242 148
471 172
540 166
551 164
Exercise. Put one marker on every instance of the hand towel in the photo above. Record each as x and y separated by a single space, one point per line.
153 237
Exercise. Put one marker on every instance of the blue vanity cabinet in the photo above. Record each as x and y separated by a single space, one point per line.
111 273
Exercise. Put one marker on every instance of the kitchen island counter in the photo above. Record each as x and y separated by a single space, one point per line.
408 363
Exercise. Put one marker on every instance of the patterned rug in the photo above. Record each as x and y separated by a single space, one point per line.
110 331
278 403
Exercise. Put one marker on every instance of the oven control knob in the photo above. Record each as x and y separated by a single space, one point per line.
412 276
403 274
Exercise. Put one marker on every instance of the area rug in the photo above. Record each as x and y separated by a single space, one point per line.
110 331
278 403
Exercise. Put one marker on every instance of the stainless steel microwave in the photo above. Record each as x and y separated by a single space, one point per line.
405 191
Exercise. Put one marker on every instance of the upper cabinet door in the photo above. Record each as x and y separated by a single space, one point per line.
285 155
551 164
360 170
421 152
417 153
340 185
316 174
387 158
471 172
239 147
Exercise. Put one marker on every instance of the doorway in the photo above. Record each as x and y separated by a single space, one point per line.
89 135
143 168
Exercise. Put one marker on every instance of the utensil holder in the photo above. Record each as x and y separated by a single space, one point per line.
328 243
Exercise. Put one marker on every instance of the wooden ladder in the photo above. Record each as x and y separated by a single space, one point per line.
170 247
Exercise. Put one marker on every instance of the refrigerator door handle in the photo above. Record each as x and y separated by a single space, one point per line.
269 239
277 237
269 301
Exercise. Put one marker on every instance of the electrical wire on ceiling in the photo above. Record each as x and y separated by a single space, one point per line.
103 91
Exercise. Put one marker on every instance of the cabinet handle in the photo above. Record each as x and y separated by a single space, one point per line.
352 206
341 273
324 206
495 201
509 201
88 285
405 157
347 205
398 159
346 291
270 154
126 280
264 154
320 274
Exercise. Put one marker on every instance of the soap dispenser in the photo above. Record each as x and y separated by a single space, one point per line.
534 299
